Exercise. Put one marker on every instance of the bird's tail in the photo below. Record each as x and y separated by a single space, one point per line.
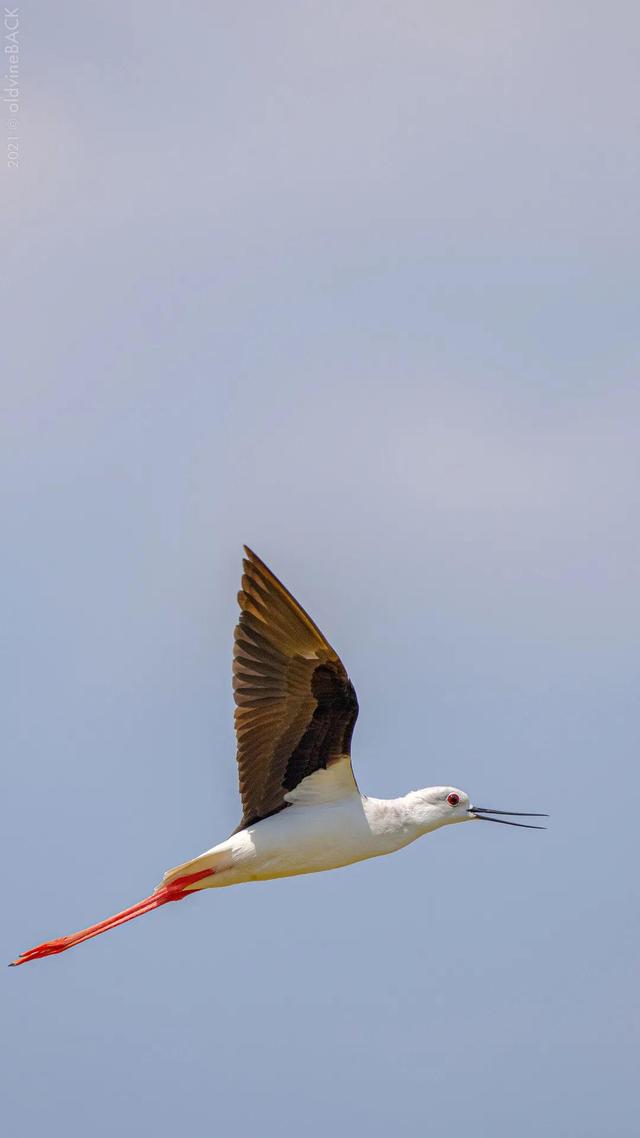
175 890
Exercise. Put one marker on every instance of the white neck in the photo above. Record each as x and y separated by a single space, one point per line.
402 820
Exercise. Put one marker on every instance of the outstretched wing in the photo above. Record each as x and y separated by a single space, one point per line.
295 704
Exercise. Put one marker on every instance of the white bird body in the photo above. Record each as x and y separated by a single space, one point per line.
329 825
302 810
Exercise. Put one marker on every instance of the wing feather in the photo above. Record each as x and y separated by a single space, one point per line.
295 705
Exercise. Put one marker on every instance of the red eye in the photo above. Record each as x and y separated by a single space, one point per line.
453 799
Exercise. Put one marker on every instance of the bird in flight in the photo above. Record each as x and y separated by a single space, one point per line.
302 811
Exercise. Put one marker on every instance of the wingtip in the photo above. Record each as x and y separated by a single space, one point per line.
252 558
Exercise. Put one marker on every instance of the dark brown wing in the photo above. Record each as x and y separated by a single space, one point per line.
295 705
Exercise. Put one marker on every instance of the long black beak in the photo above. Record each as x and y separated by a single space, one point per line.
480 812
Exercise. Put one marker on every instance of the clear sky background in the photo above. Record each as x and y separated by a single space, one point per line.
356 283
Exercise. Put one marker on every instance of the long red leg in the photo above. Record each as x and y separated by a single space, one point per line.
173 892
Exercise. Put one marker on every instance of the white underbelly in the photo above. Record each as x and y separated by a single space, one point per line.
308 840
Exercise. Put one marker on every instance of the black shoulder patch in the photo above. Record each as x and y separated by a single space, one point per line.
329 732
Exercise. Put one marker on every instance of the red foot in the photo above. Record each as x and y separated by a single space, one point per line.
173 892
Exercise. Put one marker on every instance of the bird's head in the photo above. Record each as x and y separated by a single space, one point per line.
446 805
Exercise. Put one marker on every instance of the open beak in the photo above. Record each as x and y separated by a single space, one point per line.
481 812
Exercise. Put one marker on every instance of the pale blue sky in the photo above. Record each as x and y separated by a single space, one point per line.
356 283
